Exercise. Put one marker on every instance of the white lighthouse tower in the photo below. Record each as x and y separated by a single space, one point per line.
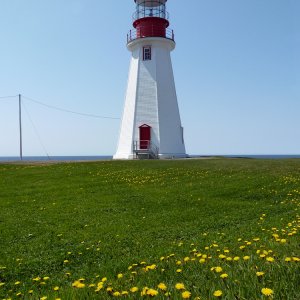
151 125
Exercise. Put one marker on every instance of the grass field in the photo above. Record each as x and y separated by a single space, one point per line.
178 229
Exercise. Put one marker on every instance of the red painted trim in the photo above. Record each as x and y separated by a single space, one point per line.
151 27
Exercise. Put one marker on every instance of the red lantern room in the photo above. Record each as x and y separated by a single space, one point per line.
150 20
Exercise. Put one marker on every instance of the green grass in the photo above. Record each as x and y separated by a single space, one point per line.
72 221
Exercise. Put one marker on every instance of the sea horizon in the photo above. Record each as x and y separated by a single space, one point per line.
110 157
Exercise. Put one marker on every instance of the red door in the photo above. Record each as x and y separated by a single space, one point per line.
145 136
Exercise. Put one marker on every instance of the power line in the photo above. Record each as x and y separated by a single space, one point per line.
70 111
36 131
6 97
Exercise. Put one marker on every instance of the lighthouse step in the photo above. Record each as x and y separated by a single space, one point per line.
145 151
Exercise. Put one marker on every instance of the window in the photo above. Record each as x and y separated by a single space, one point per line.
147 53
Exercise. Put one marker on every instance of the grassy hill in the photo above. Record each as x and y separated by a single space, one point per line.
222 228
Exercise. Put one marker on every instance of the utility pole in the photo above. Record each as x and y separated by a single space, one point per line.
20 126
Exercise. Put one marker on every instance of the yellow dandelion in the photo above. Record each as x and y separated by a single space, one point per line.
294 258
218 293
152 292
30 292
120 276
287 259
267 292
218 269
270 259
162 286
186 295
178 270
236 258
116 294
78 284
134 289
179 286
56 288
36 279
43 298
224 275
17 282
259 274
246 257
201 260
124 293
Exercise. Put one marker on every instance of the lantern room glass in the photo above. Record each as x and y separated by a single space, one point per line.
150 8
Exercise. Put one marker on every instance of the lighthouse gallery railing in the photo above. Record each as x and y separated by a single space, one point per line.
151 32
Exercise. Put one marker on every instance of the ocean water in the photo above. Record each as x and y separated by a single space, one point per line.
109 157
54 158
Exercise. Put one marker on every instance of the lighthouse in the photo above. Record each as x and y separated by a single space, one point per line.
151 125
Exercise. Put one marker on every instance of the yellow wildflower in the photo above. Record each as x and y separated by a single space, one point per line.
224 275
162 286
179 286
270 259
116 294
287 259
36 279
78 284
144 291
186 295
152 292
120 276
267 292
218 293
218 269
246 257
56 288
134 289
259 274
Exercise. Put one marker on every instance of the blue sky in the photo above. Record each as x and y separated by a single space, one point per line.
236 67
